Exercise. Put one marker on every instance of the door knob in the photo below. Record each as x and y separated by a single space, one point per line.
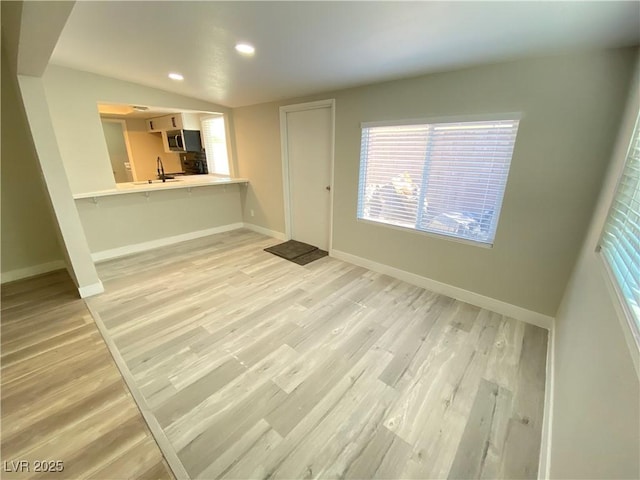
328 188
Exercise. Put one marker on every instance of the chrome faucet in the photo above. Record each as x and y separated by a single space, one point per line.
160 169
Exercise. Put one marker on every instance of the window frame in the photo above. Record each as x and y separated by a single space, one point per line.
227 139
618 297
489 117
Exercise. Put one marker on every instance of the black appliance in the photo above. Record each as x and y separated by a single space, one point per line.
184 140
194 163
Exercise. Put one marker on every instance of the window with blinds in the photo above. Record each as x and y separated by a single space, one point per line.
443 178
620 242
214 139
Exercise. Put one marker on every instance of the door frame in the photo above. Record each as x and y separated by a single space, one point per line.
127 144
286 181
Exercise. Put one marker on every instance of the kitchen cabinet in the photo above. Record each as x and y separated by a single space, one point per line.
162 124
157 124
174 121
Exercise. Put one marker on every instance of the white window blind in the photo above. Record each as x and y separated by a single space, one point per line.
620 242
215 145
444 178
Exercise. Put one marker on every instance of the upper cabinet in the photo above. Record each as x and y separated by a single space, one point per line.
160 124
175 121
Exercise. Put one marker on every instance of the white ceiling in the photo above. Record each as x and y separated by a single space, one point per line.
310 47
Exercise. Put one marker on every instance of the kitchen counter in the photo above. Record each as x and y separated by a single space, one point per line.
186 181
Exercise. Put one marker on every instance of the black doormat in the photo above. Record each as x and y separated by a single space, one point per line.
297 252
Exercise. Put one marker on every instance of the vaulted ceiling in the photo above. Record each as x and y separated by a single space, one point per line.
309 47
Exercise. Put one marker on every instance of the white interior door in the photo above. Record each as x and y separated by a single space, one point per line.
309 147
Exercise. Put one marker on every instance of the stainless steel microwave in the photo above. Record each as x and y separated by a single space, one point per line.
184 141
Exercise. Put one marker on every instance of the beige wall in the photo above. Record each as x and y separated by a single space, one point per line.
146 148
29 231
596 406
571 107
257 146
121 220
73 96
73 238
596 418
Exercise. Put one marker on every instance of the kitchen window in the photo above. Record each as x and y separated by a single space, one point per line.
442 178
214 139
620 241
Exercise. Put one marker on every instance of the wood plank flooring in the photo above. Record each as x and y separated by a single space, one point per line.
63 398
255 367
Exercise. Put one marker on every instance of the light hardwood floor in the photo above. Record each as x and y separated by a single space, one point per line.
254 367
63 398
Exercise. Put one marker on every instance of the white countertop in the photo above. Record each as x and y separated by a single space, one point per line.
186 181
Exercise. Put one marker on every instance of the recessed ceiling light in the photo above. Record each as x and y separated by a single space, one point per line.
176 76
245 49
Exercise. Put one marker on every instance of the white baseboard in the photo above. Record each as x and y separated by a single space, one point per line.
458 293
544 466
21 273
161 242
498 306
91 290
265 231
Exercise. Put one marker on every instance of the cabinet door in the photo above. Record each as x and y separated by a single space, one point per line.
174 122
168 122
159 124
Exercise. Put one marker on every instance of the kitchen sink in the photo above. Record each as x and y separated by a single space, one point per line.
157 181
